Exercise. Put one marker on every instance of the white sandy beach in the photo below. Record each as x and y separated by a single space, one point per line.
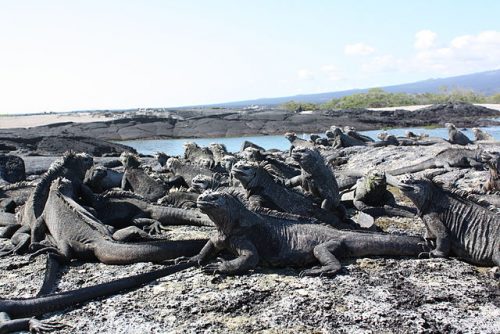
28 121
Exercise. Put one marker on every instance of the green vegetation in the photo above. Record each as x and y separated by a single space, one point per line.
378 98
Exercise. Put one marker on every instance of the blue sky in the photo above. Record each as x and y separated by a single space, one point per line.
74 55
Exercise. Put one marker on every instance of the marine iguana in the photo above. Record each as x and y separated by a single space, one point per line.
279 239
186 170
122 208
72 166
455 136
450 157
296 141
137 180
459 226
17 314
282 169
100 179
351 132
481 135
492 160
317 179
180 198
78 234
198 155
372 197
263 191
339 139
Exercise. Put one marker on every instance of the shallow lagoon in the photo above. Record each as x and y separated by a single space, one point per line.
233 144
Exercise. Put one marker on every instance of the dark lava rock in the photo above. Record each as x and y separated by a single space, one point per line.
12 168
225 123
58 144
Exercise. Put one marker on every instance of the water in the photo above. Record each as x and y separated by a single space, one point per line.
174 146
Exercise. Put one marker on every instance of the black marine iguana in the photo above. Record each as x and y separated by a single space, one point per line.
450 157
455 136
122 208
279 239
78 234
100 179
459 226
71 166
264 191
137 180
372 197
317 179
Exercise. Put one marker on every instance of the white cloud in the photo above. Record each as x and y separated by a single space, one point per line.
305 74
424 39
462 54
333 73
358 49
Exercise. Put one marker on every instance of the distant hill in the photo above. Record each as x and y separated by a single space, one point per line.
484 82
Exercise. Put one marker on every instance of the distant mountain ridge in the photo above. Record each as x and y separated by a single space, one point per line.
483 82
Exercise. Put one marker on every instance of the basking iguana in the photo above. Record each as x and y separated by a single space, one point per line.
138 181
482 135
122 208
296 141
186 170
197 155
339 139
100 179
455 136
459 226
279 239
78 234
450 157
264 191
492 160
18 314
71 166
372 197
317 179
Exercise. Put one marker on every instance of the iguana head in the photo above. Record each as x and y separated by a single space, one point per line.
252 154
129 160
228 161
64 186
450 126
291 136
77 163
246 172
161 157
173 163
375 179
222 208
418 190
200 183
307 158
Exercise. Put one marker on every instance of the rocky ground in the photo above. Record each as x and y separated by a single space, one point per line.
371 295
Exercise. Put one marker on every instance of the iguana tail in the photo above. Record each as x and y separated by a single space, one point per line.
18 308
113 252
427 164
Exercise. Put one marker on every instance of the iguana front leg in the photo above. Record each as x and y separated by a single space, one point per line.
330 265
27 324
294 181
208 251
437 229
247 259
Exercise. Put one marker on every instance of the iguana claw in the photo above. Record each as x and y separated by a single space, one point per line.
38 326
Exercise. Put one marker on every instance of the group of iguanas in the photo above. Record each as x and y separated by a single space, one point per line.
267 208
